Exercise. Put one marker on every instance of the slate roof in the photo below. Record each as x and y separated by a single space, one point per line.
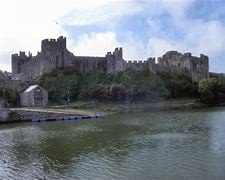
31 88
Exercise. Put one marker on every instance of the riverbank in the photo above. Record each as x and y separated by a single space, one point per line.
109 107
20 115
93 108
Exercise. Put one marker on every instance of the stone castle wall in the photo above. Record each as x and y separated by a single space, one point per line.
55 55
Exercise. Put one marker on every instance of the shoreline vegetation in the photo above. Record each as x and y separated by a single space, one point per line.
75 93
107 108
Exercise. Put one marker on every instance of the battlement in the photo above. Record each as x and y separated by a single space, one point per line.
171 55
187 54
109 54
18 60
151 60
53 44
21 55
202 56
15 55
179 56
136 62
118 53
54 55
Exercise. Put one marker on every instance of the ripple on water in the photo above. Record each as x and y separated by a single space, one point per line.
134 146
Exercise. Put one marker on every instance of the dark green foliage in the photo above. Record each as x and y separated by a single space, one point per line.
179 85
118 93
61 84
9 94
212 90
129 85
95 91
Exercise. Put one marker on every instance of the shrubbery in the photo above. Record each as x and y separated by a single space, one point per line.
129 85
179 85
9 94
61 85
212 90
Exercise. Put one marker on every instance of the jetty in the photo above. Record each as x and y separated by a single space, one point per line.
37 115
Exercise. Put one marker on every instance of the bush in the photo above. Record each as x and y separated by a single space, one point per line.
179 85
212 90
9 94
61 84
118 92
128 85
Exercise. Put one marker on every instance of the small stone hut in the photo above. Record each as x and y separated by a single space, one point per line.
34 96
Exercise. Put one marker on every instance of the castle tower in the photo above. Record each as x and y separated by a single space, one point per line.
119 62
53 54
118 54
17 61
205 67
53 44
115 62
151 64
110 60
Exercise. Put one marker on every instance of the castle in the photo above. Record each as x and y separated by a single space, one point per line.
55 55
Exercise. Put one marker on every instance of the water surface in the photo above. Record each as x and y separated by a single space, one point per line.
160 145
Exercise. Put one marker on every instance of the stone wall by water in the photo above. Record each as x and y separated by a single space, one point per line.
4 113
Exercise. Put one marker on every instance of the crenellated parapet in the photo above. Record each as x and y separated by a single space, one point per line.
17 61
198 67
53 44
115 62
54 55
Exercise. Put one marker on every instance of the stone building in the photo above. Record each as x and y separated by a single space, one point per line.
34 96
5 75
20 77
55 55
2 103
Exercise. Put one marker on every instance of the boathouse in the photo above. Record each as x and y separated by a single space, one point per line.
34 96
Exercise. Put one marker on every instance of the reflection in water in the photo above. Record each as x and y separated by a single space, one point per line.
217 136
171 145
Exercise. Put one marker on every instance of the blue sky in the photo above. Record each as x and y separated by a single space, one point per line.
144 28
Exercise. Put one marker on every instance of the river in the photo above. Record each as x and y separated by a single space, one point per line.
160 145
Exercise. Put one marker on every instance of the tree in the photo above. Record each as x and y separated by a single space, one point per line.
61 84
208 89
9 94
179 85
118 92
212 90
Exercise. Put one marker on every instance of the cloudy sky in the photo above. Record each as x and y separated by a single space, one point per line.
143 28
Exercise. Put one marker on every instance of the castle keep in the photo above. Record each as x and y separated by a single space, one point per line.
55 55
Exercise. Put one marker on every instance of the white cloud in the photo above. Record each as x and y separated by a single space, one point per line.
205 37
158 46
25 23
4 63
98 44
134 49
105 13
200 38
94 44
177 8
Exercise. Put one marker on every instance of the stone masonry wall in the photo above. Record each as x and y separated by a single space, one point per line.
55 55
